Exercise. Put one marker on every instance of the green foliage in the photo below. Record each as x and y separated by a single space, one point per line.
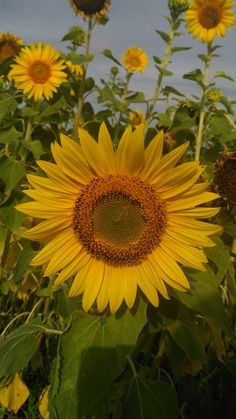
174 361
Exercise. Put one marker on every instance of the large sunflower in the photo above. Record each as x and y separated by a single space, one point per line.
207 19
9 45
38 71
87 8
116 221
135 59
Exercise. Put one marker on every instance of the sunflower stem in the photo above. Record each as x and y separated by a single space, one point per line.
132 366
162 68
5 253
123 105
203 110
83 79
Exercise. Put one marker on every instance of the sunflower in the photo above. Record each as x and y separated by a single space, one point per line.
38 71
135 59
119 220
137 117
87 8
75 68
9 45
207 19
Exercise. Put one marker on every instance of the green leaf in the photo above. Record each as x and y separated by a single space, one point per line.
137 97
107 53
148 399
156 59
163 35
54 108
169 89
11 171
179 49
163 71
185 334
221 257
204 297
7 105
9 136
81 59
36 148
93 353
194 75
223 75
23 262
18 347
28 112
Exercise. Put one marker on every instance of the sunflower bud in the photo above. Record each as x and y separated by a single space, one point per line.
177 7
225 177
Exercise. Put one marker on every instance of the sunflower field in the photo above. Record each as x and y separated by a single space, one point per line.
117 225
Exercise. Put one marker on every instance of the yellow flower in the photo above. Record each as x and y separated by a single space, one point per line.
207 19
38 71
135 59
75 68
87 8
119 220
9 45
137 117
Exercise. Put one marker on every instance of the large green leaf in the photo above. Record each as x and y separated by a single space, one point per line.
147 399
11 171
19 346
93 353
221 258
204 297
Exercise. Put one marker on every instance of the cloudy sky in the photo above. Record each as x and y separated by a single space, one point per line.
132 22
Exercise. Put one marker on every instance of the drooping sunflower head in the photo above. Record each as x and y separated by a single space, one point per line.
225 177
87 8
9 45
207 19
135 59
38 71
75 68
119 221
137 117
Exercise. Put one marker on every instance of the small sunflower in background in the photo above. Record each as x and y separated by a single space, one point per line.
75 68
119 221
38 71
137 117
135 59
88 8
9 45
214 95
207 19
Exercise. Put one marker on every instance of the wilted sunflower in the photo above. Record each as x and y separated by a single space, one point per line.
119 220
135 59
9 45
207 19
38 71
87 8
137 117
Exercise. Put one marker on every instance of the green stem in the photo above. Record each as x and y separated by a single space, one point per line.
123 106
163 67
132 366
5 253
83 80
203 110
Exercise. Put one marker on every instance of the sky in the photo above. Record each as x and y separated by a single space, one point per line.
131 23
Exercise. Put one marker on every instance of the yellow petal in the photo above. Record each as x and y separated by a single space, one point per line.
93 283
14 394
